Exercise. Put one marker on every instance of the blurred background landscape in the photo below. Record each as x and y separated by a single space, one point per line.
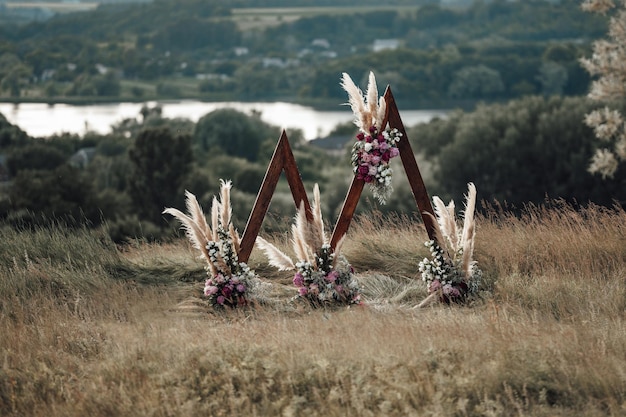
506 74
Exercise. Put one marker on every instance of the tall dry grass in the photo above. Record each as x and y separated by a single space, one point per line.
127 333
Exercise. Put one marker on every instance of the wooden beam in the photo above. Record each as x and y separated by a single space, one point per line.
392 117
410 166
282 160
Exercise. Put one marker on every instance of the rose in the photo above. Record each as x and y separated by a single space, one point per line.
372 170
221 300
298 280
241 288
227 291
332 276
375 159
360 136
302 291
210 290
393 152
434 286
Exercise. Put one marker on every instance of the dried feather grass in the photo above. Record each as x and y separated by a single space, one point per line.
197 229
307 237
369 110
275 256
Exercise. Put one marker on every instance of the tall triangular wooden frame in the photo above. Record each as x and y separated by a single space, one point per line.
282 160
412 172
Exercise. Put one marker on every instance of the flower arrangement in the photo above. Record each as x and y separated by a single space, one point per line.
451 274
230 282
322 277
375 145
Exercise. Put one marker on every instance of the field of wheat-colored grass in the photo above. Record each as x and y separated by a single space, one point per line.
88 329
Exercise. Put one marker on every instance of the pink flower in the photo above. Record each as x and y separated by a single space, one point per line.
298 280
339 289
434 286
383 146
241 288
332 276
220 300
302 291
451 291
210 290
366 157
372 170
375 160
393 152
314 289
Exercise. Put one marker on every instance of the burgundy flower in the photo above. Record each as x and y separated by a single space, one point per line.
363 169
372 129
227 291
385 157
360 136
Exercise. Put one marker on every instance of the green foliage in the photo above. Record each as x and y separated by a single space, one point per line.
234 132
44 197
10 134
35 156
160 161
524 151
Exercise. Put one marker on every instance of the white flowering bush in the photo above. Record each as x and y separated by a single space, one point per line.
608 63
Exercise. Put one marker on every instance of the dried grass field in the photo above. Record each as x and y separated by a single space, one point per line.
87 329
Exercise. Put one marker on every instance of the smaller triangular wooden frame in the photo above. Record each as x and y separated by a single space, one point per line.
412 172
282 160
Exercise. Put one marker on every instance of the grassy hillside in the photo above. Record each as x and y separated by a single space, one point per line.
90 329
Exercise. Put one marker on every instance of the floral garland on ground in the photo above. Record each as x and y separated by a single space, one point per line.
375 146
451 275
325 281
322 277
231 283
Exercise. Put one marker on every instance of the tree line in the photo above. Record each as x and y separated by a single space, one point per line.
489 51
530 150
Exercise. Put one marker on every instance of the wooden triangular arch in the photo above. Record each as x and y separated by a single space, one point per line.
412 172
282 160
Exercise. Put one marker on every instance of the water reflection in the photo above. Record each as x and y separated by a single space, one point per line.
40 119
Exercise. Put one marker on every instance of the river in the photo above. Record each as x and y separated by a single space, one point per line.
42 120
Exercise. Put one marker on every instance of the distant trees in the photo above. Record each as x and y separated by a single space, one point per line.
233 132
160 161
524 151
